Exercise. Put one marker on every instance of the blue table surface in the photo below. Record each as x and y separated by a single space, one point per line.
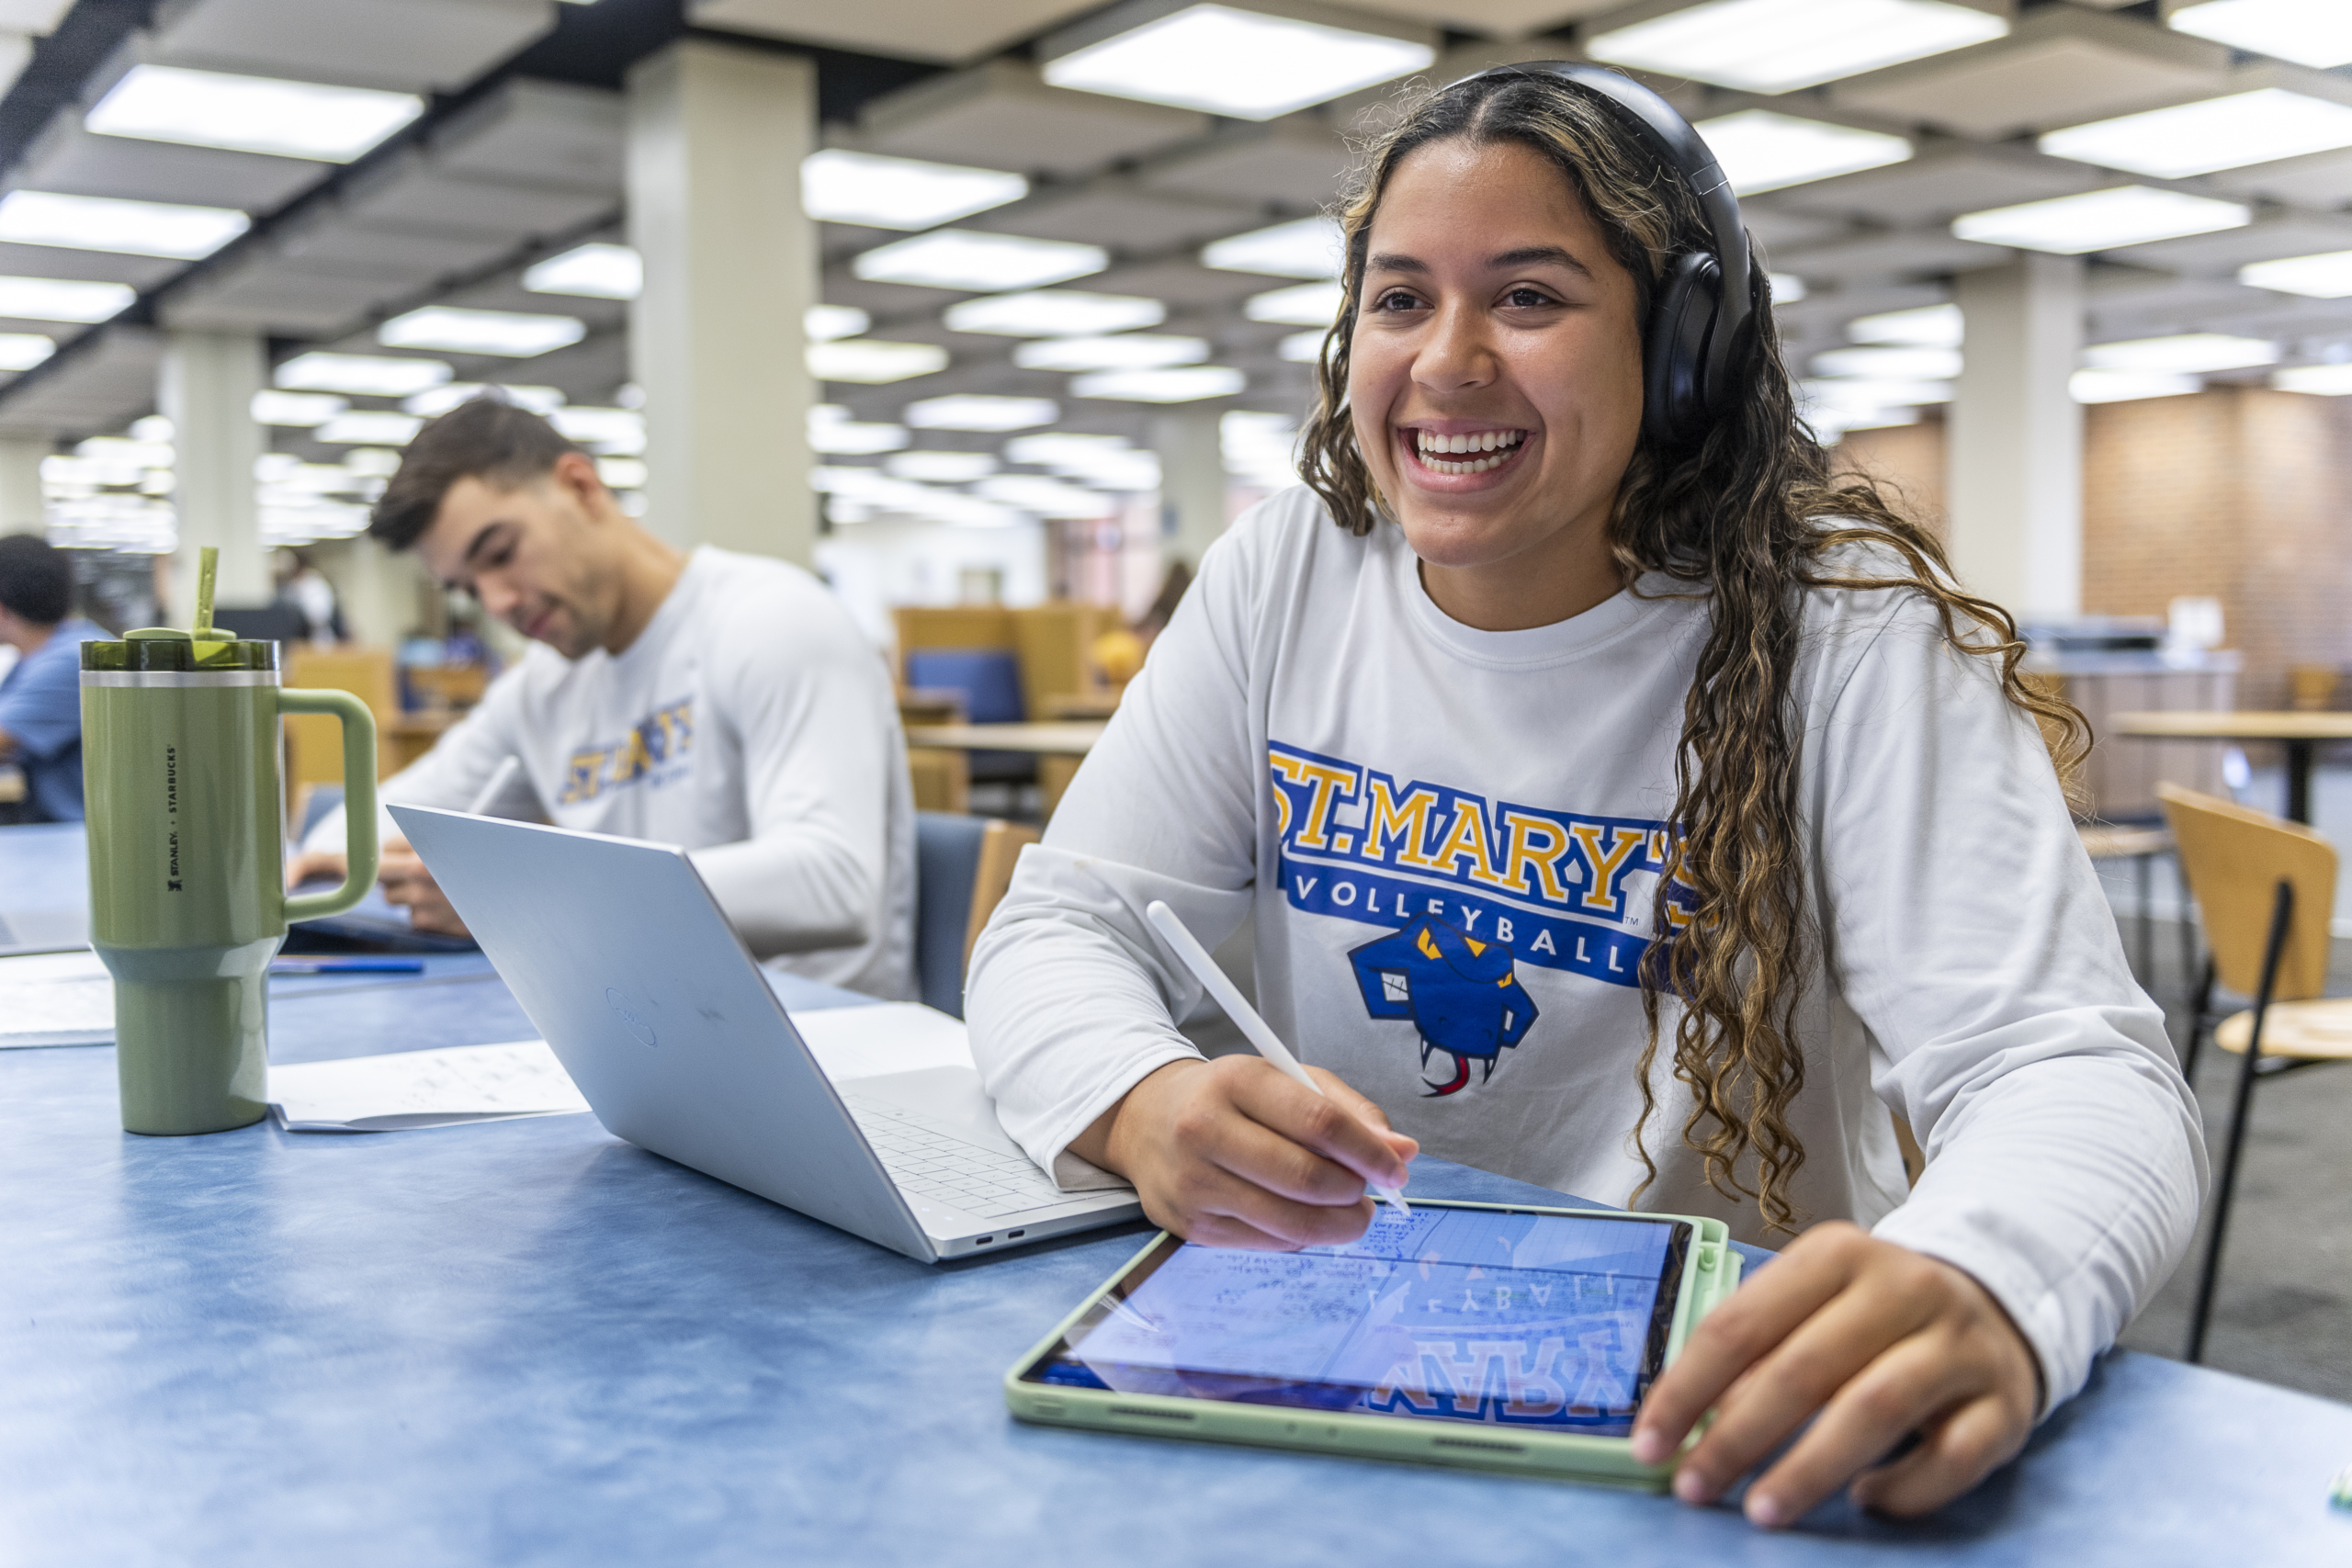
529 1342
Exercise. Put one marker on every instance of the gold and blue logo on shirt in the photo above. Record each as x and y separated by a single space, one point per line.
1472 887
655 750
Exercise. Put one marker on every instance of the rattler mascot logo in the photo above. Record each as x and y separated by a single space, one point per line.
1460 992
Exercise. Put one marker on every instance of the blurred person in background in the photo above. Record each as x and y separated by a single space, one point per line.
720 702
41 696
304 589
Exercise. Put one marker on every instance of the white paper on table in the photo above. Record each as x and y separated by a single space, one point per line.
886 1037
56 998
423 1088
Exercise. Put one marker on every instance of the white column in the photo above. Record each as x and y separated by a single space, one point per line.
22 510
209 383
1192 481
2016 438
717 135
377 589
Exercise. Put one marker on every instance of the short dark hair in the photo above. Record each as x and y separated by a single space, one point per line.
486 438
36 580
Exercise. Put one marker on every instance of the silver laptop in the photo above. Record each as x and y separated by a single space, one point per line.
623 961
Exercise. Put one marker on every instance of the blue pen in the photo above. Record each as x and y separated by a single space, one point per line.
347 966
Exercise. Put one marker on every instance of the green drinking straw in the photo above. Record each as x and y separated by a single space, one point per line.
209 561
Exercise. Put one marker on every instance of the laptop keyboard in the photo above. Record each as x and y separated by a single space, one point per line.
928 1160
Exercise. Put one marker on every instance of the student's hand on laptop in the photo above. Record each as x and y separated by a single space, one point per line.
317 865
409 884
1870 1341
1230 1153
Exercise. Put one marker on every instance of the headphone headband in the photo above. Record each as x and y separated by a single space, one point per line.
1689 361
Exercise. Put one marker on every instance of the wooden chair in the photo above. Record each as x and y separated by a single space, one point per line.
314 744
963 864
2266 888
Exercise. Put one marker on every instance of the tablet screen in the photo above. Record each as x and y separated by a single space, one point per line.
1501 1316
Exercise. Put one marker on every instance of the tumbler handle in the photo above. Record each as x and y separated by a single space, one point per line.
358 798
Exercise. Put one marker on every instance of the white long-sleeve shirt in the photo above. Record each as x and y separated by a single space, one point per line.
1450 838
750 724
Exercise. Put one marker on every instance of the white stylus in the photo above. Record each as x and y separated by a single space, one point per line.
1186 946
496 786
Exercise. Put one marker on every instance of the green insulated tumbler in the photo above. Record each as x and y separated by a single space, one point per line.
187 884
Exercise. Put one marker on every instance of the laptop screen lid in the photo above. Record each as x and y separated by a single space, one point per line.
627 966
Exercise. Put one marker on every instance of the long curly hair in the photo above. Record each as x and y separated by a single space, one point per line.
1750 519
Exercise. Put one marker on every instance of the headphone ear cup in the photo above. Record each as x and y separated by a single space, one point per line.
1674 351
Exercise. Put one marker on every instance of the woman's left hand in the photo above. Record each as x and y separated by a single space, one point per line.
1881 1342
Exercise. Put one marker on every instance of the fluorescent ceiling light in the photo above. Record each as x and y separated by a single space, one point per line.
1875 392
295 411
614 432
965 258
941 467
1180 386
831 429
1304 349
622 473
1306 305
106 223
2101 220
1774 46
2128 385
1938 325
2317 33
250 114
593 271
62 299
1914 364
823 323
2218 133
873 361
371 462
1055 313
1761 151
1063 448
840 187
2320 381
1787 288
1304 247
1128 350
1259 448
975 411
510 334
2324 277
540 401
361 374
1241 63
2184 354
1046 498
1120 469
22 351
368 427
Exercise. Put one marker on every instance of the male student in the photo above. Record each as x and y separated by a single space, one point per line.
723 702
40 697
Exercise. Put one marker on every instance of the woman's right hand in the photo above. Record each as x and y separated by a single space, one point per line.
1231 1153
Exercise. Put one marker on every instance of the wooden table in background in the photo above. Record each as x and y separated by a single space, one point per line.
411 735
2301 733
1059 747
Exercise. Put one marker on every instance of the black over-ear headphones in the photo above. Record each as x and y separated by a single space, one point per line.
1698 331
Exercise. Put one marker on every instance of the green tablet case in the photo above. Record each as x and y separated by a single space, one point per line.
1709 1276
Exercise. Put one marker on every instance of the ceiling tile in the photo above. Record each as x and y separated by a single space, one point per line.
142 273
2232 248
543 133
69 159
1913 255
334 240
1004 116
1123 218
1302 167
1941 182
1503 19
266 294
1778 228
2321 180
2060 66
949 32
885 300
102 386
1182 283
411 44
408 190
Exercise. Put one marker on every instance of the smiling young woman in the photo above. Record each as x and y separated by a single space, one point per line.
1612 765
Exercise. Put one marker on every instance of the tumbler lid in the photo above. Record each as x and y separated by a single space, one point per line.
166 649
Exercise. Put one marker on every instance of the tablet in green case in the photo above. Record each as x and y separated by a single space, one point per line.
1492 1336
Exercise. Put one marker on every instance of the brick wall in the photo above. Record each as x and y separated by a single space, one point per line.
2238 492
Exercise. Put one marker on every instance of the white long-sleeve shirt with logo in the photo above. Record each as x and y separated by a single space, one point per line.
1449 842
749 723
